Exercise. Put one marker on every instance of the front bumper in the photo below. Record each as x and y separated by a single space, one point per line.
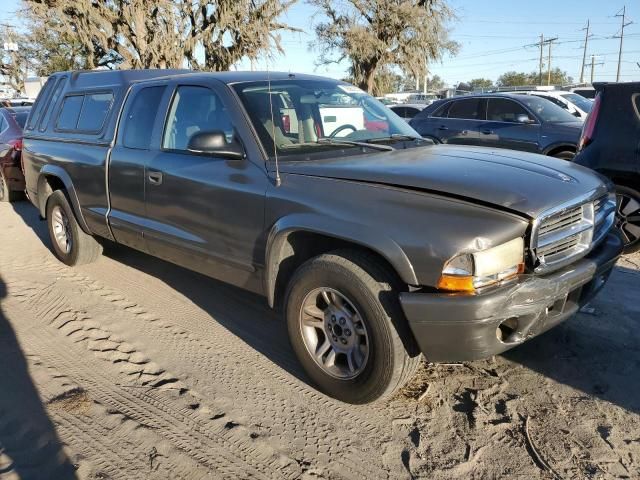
455 327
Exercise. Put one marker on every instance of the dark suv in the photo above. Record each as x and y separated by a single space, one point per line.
519 122
609 144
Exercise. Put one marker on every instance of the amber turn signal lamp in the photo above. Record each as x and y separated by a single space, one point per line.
456 283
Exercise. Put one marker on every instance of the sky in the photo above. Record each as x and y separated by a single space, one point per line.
495 36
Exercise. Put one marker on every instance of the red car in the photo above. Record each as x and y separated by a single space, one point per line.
12 122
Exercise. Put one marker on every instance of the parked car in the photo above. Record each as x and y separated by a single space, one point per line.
16 102
377 246
518 122
575 104
407 111
586 92
423 98
12 122
609 145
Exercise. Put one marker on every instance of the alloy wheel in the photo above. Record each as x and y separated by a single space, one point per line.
61 229
628 218
334 333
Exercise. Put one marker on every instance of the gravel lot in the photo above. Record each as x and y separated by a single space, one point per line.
134 368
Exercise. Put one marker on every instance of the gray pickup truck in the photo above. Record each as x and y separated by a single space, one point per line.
377 245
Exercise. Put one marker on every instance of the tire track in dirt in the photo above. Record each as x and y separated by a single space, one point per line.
297 413
211 443
112 442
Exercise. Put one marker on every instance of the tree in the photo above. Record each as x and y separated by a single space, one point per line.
376 34
519 79
165 33
480 83
435 83
515 79
12 64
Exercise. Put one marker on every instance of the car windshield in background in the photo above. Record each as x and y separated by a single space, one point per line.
579 101
303 117
547 110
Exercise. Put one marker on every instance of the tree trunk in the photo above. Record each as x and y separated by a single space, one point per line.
369 74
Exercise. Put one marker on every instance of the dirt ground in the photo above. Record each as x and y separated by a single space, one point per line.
134 368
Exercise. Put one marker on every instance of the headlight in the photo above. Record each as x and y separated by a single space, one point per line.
471 271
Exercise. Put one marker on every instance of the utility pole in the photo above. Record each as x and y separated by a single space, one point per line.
541 44
593 65
584 52
550 41
624 12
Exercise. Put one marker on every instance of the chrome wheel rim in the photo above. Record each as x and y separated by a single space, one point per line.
61 229
628 218
334 333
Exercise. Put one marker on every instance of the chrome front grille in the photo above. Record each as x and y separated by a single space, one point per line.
564 234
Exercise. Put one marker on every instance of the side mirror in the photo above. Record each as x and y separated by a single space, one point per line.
215 143
576 113
523 119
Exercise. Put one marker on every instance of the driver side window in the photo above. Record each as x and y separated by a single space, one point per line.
194 110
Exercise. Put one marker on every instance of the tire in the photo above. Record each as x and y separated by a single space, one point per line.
565 155
628 217
71 245
382 362
7 195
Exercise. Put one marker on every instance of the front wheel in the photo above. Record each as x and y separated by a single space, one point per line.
347 329
628 217
70 243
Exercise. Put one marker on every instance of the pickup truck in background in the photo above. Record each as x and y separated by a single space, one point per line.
377 245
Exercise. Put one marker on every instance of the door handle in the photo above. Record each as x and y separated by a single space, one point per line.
155 178
443 127
486 131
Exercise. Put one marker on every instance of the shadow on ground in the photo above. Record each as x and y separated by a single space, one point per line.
29 445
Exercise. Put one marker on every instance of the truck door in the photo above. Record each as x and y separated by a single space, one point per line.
129 157
205 212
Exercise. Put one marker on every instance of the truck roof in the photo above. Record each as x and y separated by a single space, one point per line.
99 78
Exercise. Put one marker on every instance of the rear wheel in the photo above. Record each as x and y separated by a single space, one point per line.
628 217
347 329
70 243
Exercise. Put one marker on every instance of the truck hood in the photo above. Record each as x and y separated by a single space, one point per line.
523 183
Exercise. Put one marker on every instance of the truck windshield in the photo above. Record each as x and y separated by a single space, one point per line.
296 117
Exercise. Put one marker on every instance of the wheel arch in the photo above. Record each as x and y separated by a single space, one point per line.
295 239
559 147
52 178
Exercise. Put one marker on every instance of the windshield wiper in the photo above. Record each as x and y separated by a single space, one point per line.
395 136
339 142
